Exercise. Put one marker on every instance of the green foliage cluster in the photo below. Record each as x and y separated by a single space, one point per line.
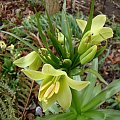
90 99
116 29
22 94
29 24
34 3
86 103
114 102
7 102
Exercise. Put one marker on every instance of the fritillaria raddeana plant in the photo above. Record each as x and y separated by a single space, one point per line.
61 72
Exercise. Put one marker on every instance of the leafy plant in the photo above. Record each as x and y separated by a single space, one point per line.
89 101
114 102
62 68
7 102
23 94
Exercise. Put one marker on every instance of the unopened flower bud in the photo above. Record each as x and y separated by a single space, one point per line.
67 62
85 43
88 55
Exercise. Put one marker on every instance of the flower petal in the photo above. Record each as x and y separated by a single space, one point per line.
82 24
49 90
34 75
27 60
41 94
77 85
97 23
49 70
36 63
57 87
49 103
44 86
61 37
64 92
104 34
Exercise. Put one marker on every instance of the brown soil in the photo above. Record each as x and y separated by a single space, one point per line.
108 7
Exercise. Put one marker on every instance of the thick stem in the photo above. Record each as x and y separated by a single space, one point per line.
75 100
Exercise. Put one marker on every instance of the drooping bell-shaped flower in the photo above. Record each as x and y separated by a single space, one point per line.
61 37
32 60
98 32
55 86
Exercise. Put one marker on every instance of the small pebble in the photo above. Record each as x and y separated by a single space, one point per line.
38 111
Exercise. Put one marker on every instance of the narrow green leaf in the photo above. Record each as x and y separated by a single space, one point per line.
100 51
54 58
75 61
114 83
46 59
43 38
81 117
63 116
66 30
89 23
86 95
95 115
102 96
97 75
49 61
57 45
55 42
97 90
111 114
22 40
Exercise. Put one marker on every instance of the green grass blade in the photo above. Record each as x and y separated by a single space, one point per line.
97 90
102 96
89 23
85 97
97 75
52 35
22 40
54 58
50 61
66 30
43 38
95 115
111 114
57 45
100 51
63 116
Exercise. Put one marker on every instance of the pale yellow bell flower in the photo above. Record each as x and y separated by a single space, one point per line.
98 31
32 60
55 86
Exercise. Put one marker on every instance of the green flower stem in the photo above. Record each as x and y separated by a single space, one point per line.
75 62
75 101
